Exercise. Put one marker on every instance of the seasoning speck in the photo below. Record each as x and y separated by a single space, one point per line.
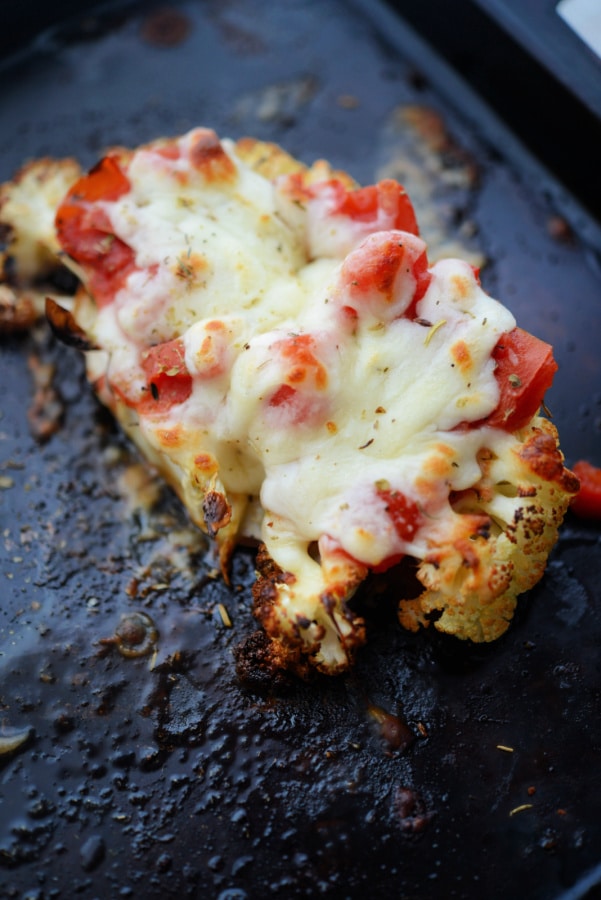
348 101
519 809
225 618
433 331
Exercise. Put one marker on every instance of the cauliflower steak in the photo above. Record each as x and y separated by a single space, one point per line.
276 342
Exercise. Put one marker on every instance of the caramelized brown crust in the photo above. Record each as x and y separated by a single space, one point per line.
299 638
271 161
18 310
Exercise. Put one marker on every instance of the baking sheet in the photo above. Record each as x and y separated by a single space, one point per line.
436 768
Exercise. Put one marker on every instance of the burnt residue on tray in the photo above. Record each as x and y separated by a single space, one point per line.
133 759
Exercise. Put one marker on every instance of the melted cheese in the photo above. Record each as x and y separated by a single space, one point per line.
295 402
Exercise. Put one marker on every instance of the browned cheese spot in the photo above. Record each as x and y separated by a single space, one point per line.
542 455
462 285
170 437
462 356
205 463
208 156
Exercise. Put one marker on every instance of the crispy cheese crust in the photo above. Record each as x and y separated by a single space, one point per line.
273 339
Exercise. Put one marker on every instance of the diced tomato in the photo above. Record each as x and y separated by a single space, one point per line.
385 203
388 271
303 366
524 371
167 378
404 512
106 181
338 565
301 397
387 198
587 502
423 277
85 232
406 519
350 318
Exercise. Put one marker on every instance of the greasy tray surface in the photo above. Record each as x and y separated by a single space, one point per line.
163 775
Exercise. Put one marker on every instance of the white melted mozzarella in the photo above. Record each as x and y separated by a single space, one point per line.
300 408
201 250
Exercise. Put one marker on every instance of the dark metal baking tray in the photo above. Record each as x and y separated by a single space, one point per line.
537 76
436 769
543 32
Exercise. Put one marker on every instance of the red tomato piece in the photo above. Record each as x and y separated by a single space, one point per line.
404 512
297 407
406 519
301 397
388 272
524 371
85 233
106 181
350 318
337 564
387 197
587 502
167 378
423 277
305 369
386 203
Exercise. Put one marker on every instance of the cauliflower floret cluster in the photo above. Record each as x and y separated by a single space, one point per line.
474 578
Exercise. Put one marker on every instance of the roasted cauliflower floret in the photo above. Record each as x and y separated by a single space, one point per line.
473 580
31 250
307 616
27 208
